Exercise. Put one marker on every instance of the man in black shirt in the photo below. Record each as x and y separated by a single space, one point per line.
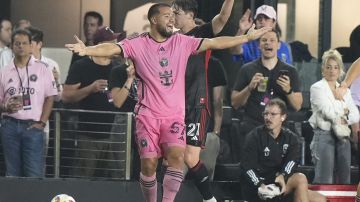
271 154
264 79
87 84
196 99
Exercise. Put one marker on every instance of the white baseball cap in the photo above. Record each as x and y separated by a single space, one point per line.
269 11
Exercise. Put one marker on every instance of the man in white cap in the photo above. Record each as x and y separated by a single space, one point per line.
265 16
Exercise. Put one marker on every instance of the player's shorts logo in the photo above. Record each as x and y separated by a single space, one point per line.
143 143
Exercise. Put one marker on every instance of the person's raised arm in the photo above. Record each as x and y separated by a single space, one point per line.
231 41
219 21
101 50
245 23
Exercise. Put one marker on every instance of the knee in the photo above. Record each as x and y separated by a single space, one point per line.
175 157
300 179
148 167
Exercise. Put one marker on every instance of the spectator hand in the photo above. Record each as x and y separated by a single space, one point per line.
55 74
281 181
78 47
245 22
130 69
340 92
284 83
13 104
255 81
36 125
99 85
256 33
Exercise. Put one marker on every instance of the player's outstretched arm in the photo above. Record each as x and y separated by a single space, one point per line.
104 49
231 41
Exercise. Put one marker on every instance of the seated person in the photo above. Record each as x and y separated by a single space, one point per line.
271 153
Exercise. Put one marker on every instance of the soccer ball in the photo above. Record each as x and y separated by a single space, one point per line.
63 198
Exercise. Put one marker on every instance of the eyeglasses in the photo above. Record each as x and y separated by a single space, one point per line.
270 114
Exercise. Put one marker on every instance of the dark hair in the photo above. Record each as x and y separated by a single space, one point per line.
278 102
186 6
155 9
277 34
20 32
2 20
95 15
36 34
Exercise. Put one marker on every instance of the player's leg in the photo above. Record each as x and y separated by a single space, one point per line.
195 140
172 142
149 150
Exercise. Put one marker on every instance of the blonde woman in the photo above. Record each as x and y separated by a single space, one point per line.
330 151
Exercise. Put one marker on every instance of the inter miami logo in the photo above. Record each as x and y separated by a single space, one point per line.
166 78
33 77
164 62
285 148
143 143
266 151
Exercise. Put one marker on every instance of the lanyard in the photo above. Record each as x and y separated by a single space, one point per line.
27 73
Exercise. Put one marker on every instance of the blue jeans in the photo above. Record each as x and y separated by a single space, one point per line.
23 148
330 154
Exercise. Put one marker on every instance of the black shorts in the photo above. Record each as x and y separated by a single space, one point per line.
196 126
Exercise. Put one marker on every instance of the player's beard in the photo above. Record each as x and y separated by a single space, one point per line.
162 31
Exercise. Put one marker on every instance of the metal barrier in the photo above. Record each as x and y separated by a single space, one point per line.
67 156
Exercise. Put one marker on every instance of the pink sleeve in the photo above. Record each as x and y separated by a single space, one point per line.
192 43
49 83
127 48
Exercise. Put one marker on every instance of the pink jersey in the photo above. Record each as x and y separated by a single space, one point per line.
41 85
161 69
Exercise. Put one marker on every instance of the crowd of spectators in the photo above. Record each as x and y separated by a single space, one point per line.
267 80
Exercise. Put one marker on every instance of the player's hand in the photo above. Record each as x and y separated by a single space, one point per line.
284 83
257 33
99 85
255 81
78 47
245 22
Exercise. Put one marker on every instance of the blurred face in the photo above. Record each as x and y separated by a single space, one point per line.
272 117
269 44
331 71
165 22
264 21
21 45
90 27
181 17
5 32
36 47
